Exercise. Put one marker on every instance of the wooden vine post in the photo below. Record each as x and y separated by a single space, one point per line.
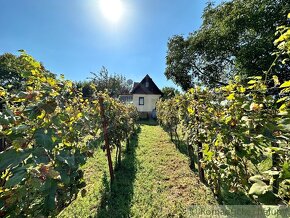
107 145
190 148
2 140
199 145
275 164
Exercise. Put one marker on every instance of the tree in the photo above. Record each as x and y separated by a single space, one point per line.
236 37
169 92
86 88
115 84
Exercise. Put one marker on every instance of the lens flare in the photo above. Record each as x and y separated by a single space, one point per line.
112 10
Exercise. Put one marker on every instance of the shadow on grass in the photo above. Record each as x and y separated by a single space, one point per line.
117 201
182 147
149 122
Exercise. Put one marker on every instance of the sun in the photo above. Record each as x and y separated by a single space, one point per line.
112 9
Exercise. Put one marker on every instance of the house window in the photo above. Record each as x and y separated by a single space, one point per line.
141 100
147 84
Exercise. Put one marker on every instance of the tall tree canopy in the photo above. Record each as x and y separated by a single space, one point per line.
114 84
86 88
236 37
169 92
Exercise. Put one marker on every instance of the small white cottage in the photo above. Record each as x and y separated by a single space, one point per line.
144 95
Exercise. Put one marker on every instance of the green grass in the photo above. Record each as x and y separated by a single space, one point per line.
154 180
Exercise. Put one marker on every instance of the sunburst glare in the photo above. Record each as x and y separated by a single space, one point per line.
112 10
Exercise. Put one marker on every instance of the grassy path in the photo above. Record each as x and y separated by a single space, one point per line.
153 181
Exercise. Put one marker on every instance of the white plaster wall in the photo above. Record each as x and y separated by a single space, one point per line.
149 102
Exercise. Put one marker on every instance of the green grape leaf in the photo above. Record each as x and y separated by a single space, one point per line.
16 179
43 138
286 171
11 158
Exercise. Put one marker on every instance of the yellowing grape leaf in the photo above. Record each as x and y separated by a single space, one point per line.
276 80
231 97
41 116
285 84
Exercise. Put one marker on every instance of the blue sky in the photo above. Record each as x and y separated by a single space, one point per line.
76 37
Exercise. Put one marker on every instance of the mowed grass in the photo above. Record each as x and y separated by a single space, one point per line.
154 180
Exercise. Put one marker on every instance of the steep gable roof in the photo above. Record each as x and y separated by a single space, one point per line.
135 84
151 87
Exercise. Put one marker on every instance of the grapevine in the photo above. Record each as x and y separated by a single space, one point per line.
50 129
236 128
